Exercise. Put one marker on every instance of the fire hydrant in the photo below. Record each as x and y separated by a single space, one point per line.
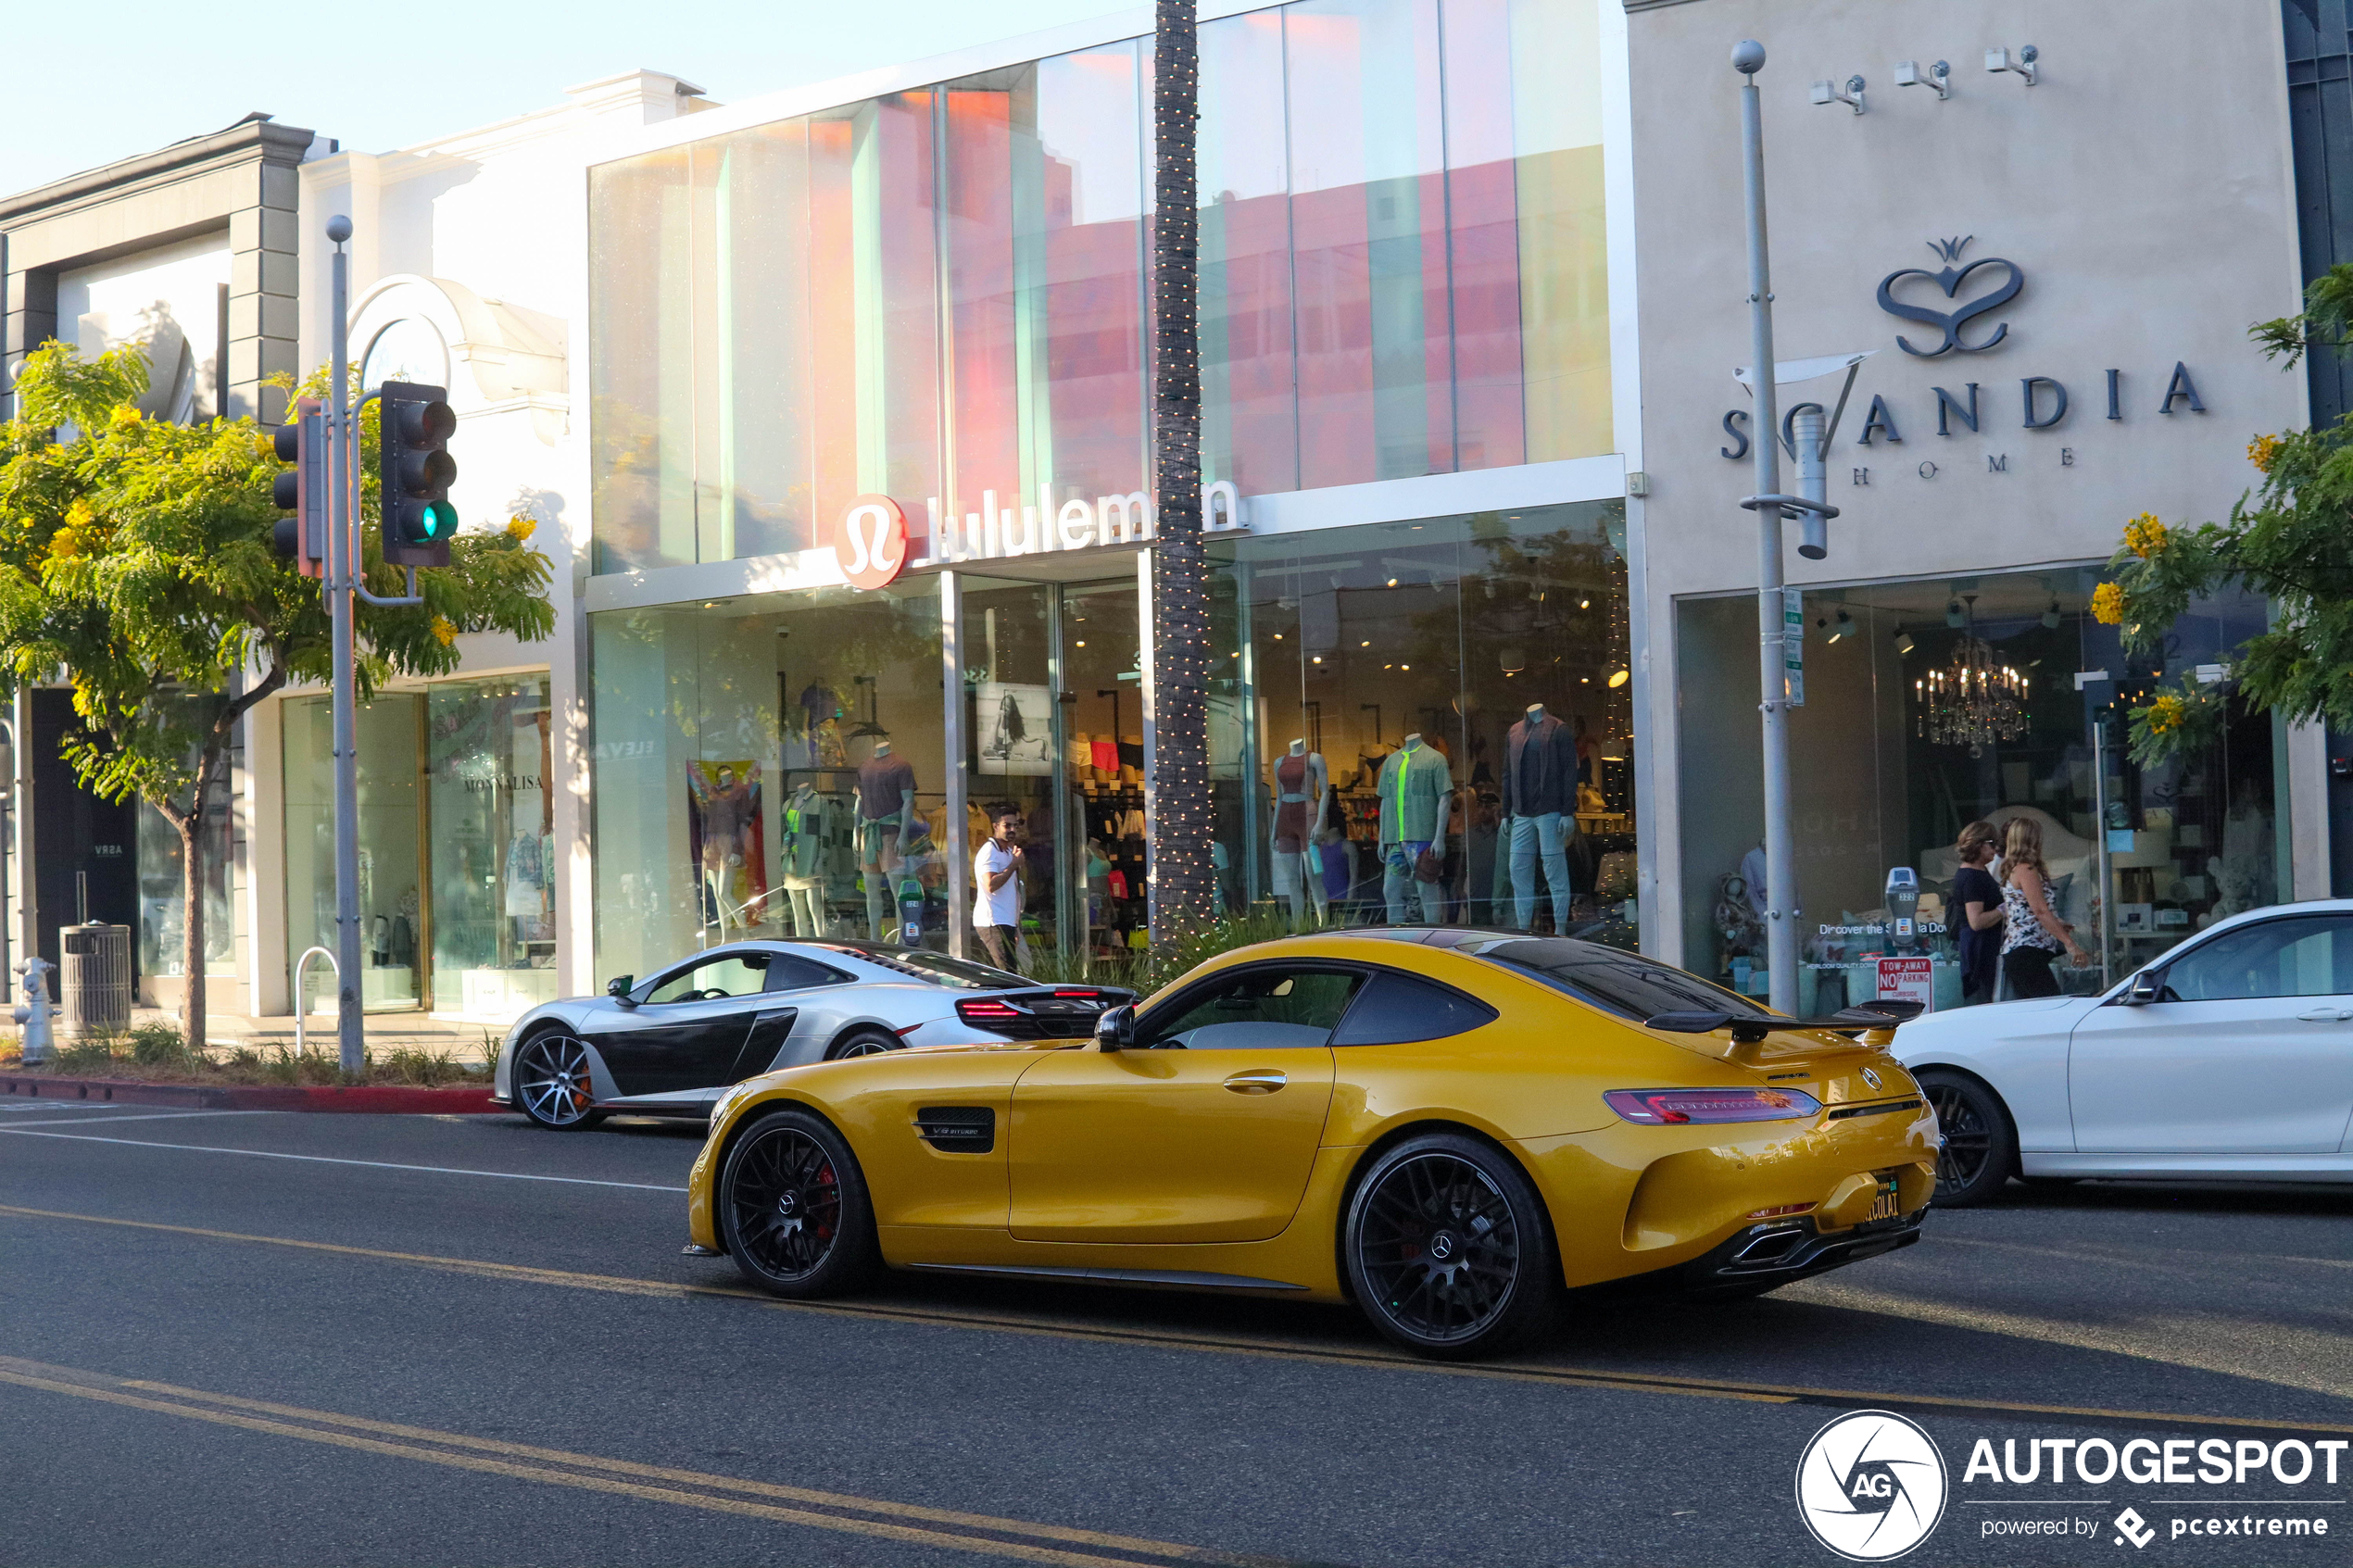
36 1012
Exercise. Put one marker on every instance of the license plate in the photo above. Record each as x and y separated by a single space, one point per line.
1886 1202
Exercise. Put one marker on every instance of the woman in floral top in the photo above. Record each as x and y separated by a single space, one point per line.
2034 935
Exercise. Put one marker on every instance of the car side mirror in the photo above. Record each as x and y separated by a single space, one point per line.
1117 1029
2147 986
618 988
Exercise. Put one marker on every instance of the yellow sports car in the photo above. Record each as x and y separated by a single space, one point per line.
1448 1127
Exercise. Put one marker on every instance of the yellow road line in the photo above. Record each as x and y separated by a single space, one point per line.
1521 1371
592 1472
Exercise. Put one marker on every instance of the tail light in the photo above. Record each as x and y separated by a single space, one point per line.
986 1011
1675 1107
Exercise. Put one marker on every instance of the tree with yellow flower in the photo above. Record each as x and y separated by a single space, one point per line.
135 556
2289 539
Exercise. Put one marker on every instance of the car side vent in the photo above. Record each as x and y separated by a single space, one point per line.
957 1129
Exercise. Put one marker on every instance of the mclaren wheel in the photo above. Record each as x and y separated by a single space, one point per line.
865 1042
1981 1145
1448 1250
793 1209
551 1083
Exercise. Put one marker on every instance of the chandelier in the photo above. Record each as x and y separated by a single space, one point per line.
1973 700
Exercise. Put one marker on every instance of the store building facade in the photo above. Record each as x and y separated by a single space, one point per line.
869 469
2055 279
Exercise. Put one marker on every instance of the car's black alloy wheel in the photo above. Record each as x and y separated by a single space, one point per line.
1981 1145
551 1083
866 1042
793 1208
1447 1248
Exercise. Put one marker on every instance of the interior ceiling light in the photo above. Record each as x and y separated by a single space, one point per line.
1584 604
2051 616
1621 678
1954 616
1845 624
1392 582
1903 642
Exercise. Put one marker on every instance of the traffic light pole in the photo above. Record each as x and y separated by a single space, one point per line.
342 573
346 563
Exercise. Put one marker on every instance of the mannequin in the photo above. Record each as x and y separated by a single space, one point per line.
886 797
1539 812
1416 793
800 852
1301 776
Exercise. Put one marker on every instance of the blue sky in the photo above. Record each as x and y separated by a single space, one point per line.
131 76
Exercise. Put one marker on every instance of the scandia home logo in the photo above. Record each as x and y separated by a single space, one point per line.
1871 1485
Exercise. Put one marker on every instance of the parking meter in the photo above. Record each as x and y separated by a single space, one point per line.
1904 908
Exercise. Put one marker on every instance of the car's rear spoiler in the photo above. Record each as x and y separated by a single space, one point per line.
1878 1017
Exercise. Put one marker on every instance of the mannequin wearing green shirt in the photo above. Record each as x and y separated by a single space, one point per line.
1416 793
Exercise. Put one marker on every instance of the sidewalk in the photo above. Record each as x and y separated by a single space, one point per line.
386 1032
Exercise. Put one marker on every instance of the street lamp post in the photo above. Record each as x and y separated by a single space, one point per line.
1780 867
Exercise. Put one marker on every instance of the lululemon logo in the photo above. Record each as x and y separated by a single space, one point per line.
1871 1486
1950 278
871 546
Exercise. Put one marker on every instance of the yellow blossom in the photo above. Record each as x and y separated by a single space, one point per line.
2166 714
2263 451
521 529
2145 535
64 544
125 417
443 631
2108 604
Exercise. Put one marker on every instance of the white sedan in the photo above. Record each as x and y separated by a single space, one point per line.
2229 1058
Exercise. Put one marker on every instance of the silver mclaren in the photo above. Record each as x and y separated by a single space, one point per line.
671 1045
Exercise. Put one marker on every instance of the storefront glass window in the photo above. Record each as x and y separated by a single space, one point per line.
1044 247
1404 271
1388 673
752 768
1891 764
763 335
163 903
493 920
391 855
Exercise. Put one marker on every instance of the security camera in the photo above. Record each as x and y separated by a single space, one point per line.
1829 93
1999 60
1939 76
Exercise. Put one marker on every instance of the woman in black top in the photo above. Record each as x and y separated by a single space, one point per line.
1976 914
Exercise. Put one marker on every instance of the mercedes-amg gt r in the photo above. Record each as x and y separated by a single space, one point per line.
1448 1127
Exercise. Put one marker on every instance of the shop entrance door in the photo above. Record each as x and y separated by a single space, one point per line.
1053 726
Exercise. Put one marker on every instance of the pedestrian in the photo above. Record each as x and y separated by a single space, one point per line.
1977 900
996 890
2032 935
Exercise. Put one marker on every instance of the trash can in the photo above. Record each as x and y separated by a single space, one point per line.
93 980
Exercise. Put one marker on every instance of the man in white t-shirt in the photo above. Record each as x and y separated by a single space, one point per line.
997 890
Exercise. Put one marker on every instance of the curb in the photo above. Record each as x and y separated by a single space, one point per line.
378 1100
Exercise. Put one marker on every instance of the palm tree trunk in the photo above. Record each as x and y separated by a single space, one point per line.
1184 886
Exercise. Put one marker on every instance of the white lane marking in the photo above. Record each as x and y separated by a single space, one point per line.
121 1121
326 1159
38 1104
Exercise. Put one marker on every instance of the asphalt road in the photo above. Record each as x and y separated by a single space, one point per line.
458 1340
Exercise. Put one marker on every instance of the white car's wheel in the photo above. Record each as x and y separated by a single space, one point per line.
1981 1143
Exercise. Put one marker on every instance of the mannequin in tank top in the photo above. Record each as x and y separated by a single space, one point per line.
1303 796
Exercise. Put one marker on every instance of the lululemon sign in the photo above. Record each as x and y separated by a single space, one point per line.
871 544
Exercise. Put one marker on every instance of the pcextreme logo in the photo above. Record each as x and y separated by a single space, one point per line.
1871 1486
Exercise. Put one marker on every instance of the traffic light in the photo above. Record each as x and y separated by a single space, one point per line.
417 472
302 489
